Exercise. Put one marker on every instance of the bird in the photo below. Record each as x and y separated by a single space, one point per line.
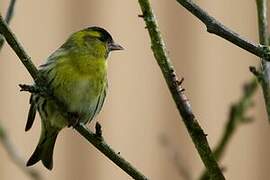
76 75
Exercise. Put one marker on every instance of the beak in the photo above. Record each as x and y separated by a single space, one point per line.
113 47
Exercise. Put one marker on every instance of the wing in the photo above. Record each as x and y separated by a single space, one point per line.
31 114
101 99
100 102
44 69
53 58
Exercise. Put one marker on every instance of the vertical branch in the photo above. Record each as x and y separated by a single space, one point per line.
264 39
263 51
262 21
181 101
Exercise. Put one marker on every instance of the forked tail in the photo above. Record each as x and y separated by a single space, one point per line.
44 149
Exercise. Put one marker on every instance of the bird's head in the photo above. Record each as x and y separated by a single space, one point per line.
95 40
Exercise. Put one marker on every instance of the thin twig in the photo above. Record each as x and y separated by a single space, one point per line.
15 156
236 118
10 11
101 145
215 27
17 47
8 18
181 101
94 138
4 138
176 159
264 39
98 142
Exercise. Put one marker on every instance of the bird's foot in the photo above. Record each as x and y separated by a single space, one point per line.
98 130
73 119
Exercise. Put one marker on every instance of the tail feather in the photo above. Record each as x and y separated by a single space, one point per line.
31 117
47 154
31 114
44 150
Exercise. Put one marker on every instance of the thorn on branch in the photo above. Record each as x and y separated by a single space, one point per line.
182 90
176 82
28 88
98 130
255 72
34 90
181 81
212 26
258 74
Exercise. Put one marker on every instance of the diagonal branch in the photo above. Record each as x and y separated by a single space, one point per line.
17 47
236 118
215 27
103 147
97 141
181 101
4 138
15 156
265 68
176 158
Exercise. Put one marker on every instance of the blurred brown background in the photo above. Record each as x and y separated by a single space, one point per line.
139 108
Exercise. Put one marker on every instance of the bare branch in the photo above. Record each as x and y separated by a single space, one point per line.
15 155
215 27
17 47
262 51
236 118
176 158
101 145
98 142
180 99
264 39
4 138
